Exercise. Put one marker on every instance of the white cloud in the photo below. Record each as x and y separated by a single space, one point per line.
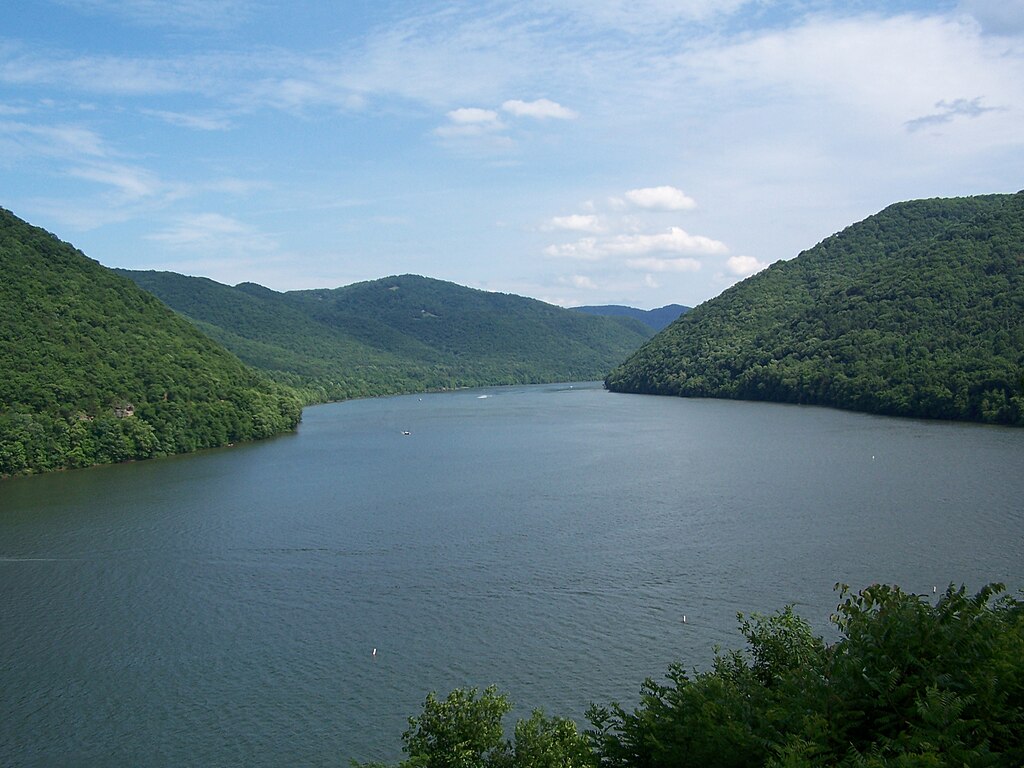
473 116
583 282
470 122
577 222
541 109
786 122
868 72
675 240
744 266
634 246
663 198
585 249
651 264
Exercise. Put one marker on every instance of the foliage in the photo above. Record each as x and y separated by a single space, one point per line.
916 311
397 334
93 370
908 683
465 731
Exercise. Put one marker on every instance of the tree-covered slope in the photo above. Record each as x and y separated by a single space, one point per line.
909 683
915 311
95 370
656 319
397 334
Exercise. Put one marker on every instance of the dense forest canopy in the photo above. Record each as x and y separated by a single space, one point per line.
94 370
910 683
398 334
915 311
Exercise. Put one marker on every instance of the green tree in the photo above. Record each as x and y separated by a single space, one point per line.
909 683
550 742
465 730
460 731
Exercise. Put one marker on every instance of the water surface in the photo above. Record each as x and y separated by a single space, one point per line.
223 608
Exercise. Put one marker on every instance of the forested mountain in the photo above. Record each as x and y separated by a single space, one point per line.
95 370
656 319
915 311
397 334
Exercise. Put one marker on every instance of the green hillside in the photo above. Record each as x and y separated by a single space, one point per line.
94 370
398 334
915 311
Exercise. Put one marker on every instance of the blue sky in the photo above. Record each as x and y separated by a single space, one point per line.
635 152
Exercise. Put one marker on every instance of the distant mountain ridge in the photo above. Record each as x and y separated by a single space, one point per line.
915 311
94 370
397 334
656 319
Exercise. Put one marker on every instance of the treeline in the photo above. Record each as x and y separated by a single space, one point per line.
93 370
908 684
398 334
916 311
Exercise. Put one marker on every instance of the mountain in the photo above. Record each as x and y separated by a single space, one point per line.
915 311
94 370
656 319
397 334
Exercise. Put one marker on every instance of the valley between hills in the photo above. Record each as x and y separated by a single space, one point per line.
917 311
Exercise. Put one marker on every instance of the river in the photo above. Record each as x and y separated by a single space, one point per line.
291 602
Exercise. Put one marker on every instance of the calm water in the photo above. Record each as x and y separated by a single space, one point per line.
222 609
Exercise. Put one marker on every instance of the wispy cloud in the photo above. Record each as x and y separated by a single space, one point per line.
214 232
949 111
61 141
785 120
180 14
131 183
125 75
195 121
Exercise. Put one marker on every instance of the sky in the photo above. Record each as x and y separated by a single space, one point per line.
639 152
